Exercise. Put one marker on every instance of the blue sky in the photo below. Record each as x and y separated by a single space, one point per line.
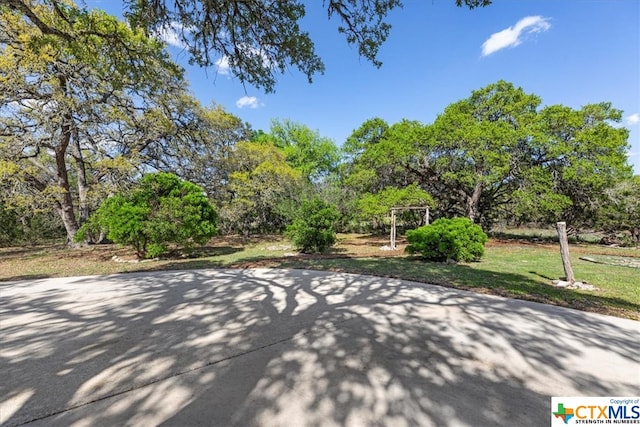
565 51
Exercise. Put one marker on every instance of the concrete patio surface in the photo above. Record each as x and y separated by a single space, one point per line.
269 347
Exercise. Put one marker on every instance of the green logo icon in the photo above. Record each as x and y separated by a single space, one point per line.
565 413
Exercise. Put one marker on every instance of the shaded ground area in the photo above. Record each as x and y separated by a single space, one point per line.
613 260
275 347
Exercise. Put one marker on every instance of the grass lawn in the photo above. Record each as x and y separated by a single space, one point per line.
513 268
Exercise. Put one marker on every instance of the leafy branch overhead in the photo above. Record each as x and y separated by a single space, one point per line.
258 39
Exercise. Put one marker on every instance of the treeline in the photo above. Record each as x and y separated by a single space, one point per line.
79 123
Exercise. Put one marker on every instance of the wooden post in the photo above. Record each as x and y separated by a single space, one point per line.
564 251
392 236
393 230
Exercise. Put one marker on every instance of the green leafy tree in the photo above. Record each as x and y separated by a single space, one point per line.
11 232
21 226
258 39
572 159
79 122
458 239
494 155
313 230
476 149
378 157
262 190
368 134
620 210
24 218
162 210
197 143
381 156
305 150
72 107
376 207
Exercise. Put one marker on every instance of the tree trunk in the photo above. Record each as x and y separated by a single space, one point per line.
83 186
473 202
65 201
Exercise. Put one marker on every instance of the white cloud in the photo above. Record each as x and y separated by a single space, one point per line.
248 101
253 53
633 119
223 66
171 35
512 36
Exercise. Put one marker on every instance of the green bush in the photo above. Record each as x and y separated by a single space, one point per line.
24 225
313 230
458 239
163 210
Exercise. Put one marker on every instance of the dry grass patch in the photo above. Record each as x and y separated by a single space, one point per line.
512 268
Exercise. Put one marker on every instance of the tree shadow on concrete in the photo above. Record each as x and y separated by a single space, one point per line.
294 347
460 276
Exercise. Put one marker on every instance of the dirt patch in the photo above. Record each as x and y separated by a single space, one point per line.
580 248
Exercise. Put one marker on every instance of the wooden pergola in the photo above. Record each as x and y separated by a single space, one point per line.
393 220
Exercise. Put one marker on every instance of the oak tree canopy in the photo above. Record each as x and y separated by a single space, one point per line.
258 39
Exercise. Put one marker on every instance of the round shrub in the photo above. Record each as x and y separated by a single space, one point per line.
313 230
162 210
458 239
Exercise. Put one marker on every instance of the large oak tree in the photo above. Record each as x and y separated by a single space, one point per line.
497 154
81 115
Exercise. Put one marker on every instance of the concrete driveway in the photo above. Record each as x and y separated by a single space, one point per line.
295 348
